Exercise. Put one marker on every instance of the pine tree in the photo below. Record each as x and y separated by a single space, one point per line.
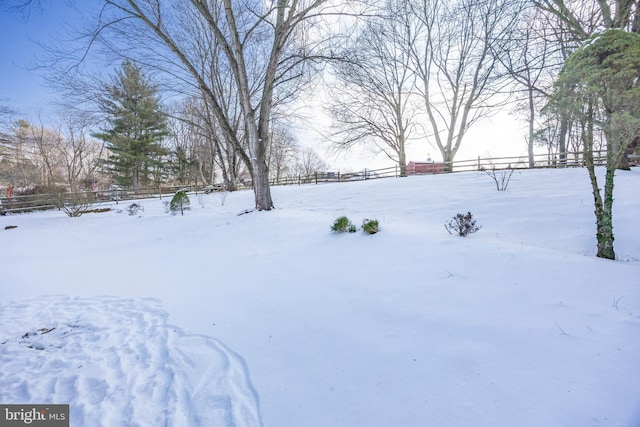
136 127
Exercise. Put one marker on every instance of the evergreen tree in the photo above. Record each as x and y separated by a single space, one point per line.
599 89
136 127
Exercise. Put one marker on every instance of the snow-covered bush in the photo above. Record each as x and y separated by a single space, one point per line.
370 226
463 225
343 225
180 203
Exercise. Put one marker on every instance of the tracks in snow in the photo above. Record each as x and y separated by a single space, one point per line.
118 363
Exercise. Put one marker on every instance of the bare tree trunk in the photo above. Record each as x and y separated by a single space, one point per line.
564 132
402 162
135 178
531 139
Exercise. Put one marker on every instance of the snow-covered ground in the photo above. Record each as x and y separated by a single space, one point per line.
118 362
267 318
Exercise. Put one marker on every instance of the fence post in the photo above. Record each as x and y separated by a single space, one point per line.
316 177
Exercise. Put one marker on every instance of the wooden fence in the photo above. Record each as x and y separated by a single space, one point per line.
573 159
479 164
322 177
34 202
27 203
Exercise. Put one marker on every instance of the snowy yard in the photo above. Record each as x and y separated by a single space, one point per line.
267 318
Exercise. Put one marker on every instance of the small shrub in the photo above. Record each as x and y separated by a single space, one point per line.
76 204
223 197
180 203
134 208
343 225
463 225
501 177
370 226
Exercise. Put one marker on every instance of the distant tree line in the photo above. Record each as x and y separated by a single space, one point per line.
65 158
141 143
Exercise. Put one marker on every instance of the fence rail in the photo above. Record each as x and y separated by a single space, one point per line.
572 159
28 203
478 164
35 202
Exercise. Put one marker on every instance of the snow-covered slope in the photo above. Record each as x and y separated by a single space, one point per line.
518 324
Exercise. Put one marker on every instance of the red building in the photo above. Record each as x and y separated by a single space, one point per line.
417 168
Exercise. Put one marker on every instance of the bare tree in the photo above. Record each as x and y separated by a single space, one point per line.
6 114
18 157
582 19
371 100
264 47
36 150
80 154
257 42
65 156
282 152
215 153
309 162
456 59
532 61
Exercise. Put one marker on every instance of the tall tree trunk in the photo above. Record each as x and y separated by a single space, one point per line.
532 116
564 131
402 161
257 153
402 138
261 187
447 158
605 222
259 168
135 178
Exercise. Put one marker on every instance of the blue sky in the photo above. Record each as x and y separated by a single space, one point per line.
21 88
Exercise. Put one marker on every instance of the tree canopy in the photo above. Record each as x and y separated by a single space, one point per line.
602 78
